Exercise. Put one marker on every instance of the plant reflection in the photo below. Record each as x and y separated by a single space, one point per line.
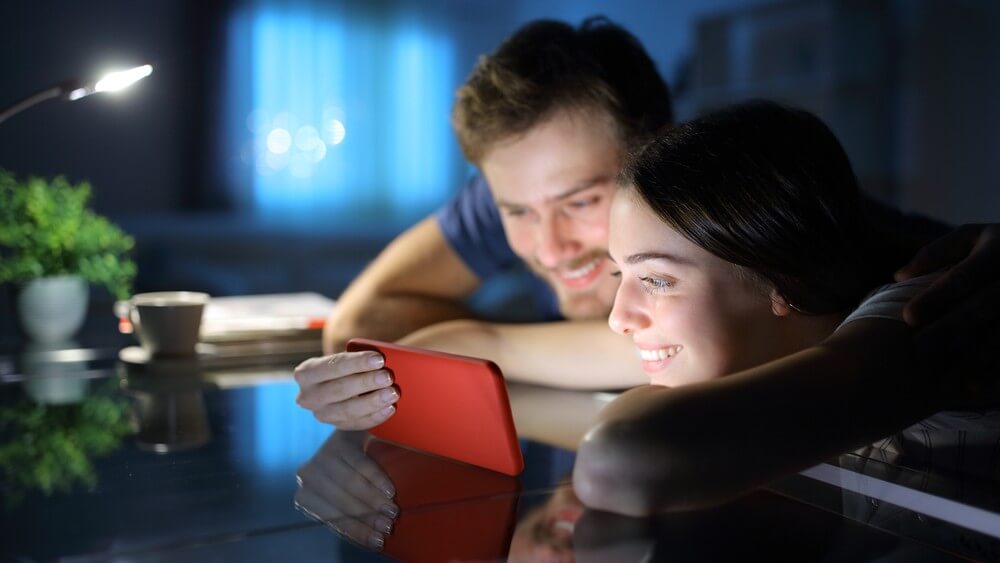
49 448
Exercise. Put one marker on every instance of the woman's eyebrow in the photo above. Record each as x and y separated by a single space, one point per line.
643 256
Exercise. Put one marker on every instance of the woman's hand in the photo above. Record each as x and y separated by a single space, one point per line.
349 390
347 490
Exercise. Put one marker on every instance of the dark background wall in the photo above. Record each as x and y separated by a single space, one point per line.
142 149
909 86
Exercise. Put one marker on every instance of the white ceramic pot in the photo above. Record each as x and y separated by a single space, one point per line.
52 309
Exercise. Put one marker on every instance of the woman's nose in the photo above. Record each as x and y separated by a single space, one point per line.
626 315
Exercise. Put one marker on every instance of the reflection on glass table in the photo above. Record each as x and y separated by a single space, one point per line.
554 526
50 445
386 496
203 466
169 404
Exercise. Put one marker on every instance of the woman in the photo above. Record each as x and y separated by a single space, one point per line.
743 251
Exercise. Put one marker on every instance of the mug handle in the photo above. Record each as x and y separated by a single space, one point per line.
123 310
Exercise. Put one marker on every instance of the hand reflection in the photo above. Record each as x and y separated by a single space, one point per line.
435 509
345 488
563 530
545 533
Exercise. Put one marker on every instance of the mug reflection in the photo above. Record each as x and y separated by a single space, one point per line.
169 404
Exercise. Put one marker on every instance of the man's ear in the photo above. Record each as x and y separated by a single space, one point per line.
779 306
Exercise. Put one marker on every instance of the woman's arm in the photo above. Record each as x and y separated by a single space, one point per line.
567 354
659 449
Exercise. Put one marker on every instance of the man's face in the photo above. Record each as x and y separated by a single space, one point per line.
553 186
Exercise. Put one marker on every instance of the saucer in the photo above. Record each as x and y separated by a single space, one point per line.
139 356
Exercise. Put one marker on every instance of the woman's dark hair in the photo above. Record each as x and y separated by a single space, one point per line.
770 189
547 66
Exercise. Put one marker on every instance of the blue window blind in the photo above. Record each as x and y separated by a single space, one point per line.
338 115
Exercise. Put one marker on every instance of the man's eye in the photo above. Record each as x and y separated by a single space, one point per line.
582 203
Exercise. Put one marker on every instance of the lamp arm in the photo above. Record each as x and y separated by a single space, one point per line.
36 98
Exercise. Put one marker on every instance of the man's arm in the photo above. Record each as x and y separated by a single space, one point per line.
660 449
558 417
418 280
352 391
567 354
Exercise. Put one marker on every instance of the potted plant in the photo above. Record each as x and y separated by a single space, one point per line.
52 245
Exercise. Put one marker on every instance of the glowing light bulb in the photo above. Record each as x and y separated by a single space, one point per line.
115 81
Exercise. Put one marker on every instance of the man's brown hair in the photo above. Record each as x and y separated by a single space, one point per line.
548 66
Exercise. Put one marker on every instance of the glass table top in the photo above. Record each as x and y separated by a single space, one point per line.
105 460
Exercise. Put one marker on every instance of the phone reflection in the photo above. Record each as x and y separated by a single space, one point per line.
407 504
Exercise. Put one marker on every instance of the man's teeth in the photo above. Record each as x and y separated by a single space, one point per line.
580 272
660 354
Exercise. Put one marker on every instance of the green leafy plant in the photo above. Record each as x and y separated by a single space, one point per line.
49 448
46 229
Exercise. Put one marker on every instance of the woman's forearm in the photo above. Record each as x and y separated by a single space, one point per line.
667 449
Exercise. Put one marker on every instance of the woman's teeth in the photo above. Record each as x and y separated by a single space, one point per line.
659 354
580 272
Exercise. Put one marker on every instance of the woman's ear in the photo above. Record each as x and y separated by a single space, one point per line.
779 306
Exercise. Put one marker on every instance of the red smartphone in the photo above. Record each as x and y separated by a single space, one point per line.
453 406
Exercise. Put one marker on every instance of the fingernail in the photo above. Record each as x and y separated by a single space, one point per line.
389 395
382 378
383 524
376 362
376 540
388 489
389 509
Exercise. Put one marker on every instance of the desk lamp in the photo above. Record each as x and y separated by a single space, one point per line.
76 89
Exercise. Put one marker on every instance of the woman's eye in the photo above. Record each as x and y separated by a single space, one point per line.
515 212
616 274
654 285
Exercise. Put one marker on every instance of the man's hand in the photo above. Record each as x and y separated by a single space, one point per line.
957 315
971 255
347 490
349 390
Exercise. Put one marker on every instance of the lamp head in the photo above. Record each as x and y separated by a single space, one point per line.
111 82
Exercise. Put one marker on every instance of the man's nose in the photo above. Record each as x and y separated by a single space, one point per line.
556 242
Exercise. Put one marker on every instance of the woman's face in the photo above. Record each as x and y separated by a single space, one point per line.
690 314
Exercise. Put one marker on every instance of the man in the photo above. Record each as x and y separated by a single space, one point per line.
546 118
